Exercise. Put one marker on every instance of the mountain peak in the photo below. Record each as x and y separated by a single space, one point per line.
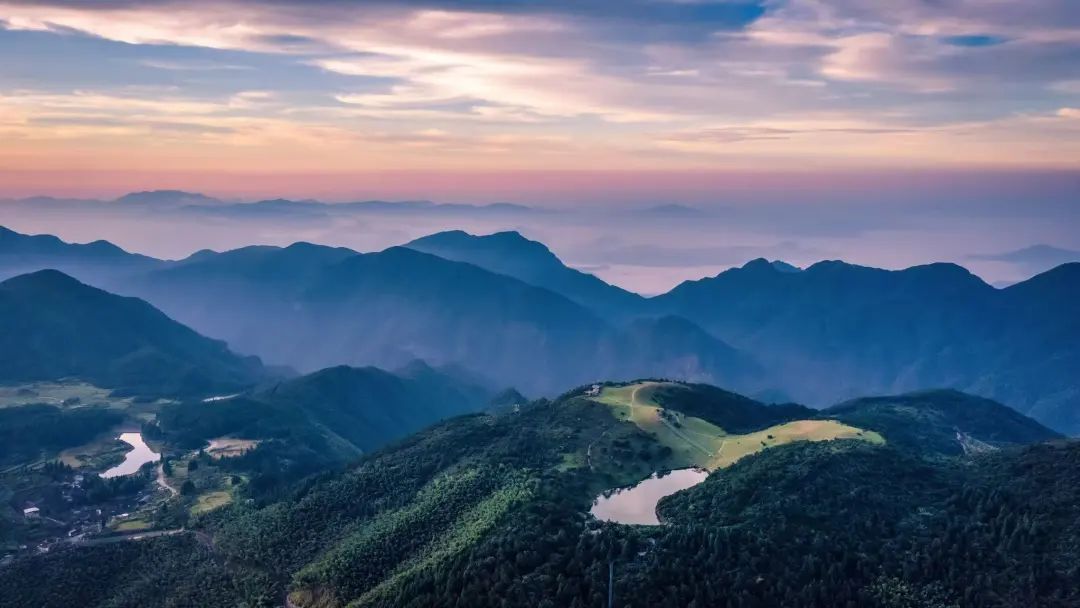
512 254
758 265
459 239
44 279
166 198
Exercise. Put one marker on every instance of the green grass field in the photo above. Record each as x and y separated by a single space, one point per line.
76 394
136 523
210 501
57 393
697 442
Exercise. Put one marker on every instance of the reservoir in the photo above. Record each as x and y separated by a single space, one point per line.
637 504
138 456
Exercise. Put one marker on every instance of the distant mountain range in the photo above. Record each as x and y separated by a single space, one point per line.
836 330
508 309
97 262
334 306
194 203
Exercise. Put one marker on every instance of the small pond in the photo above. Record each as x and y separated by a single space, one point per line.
138 456
637 504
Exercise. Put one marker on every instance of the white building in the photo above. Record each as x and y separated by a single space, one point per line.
31 513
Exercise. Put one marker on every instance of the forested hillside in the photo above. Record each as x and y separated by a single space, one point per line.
492 510
53 327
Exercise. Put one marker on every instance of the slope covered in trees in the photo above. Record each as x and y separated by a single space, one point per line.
492 510
52 327
943 421
323 419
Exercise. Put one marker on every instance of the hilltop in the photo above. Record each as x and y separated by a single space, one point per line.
52 327
512 254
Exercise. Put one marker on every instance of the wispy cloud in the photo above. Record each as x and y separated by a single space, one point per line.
632 83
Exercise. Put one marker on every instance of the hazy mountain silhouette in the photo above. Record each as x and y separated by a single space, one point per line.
836 330
99 261
512 254
311 307
167 198
506 308
52 327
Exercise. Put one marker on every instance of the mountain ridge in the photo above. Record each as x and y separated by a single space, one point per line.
54 326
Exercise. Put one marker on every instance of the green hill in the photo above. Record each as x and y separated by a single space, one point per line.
53 327
492 510
944 421
343 410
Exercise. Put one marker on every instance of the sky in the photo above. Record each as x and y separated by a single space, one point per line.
883 132
553 102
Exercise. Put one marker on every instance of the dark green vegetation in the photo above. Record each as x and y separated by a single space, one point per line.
491 510
32 431
740 414
322 419
52 327
154 573
945 422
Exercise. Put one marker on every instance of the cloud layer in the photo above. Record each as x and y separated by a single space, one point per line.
458 85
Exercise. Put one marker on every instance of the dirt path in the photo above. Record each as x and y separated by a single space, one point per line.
162 482
678 432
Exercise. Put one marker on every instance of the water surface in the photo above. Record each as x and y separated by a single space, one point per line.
637 504
138 456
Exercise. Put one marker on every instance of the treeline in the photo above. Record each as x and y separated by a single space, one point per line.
30 431
162 572
821 525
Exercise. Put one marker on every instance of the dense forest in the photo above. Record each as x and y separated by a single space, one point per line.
492 510
26 432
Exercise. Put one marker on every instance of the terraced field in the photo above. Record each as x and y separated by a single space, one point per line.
697 442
